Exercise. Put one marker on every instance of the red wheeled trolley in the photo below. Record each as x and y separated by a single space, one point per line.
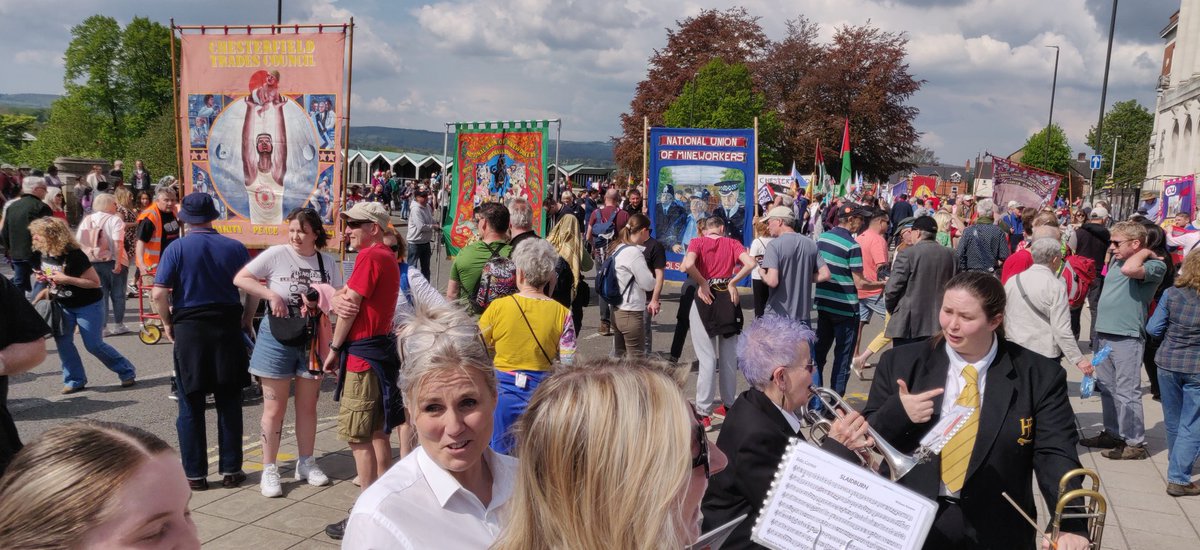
151 330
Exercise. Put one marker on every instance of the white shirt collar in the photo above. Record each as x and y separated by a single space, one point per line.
957 363
790 416
445 487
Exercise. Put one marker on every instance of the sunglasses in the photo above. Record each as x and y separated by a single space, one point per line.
1117 243
355 224
701 441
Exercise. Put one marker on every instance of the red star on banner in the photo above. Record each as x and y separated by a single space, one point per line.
328 156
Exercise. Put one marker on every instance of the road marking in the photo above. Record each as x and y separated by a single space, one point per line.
288 430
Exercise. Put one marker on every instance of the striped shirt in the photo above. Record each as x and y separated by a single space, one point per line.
841 253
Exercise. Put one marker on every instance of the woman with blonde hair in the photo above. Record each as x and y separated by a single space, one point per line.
99 485
449 387
612 456
73 288
1176 320
943 219
574 262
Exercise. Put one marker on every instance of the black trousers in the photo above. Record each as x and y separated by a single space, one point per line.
682 324
420 254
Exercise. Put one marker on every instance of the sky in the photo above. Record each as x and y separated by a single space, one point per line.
420 64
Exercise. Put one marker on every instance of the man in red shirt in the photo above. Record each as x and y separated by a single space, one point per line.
874 257
712 261
362 350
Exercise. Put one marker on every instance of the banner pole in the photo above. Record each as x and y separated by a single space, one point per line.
557 172
175 107
341 203
646 156
437 245
754 185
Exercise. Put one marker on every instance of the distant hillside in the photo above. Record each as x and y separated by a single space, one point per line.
595 153
35 101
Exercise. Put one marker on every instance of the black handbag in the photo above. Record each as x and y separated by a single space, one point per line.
296 331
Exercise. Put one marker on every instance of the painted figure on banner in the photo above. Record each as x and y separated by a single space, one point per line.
264 159
199 133
202 184
264 90
670 218
209 108
320 108
731 208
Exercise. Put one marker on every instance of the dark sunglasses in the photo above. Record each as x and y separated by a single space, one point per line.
355 224
1117 243
700 459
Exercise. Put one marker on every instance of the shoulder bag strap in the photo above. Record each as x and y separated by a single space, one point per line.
535 338
321 266
1021 288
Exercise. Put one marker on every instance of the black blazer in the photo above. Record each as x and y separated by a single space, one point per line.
754 437
1027 427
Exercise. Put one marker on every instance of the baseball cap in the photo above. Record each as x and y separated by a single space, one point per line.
371 212
851 210
1099 212
925 223
905 223
781 213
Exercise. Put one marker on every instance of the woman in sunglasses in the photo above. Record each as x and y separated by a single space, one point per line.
612 456
291 271
773 354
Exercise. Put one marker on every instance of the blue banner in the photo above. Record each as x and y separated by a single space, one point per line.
696 173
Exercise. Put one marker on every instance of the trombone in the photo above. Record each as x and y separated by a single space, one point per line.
1093 508
820 423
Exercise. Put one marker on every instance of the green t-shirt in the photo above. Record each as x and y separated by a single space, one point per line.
1124 301
468 266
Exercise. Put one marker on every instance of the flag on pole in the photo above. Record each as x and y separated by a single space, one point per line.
846 171
796 179
820 171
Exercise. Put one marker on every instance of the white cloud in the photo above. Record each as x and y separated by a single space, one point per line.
39 57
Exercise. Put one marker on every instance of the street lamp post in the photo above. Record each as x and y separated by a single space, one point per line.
1053 88
1112 27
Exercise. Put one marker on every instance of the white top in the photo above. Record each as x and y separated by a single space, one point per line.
417 504
955 383
1024 325
289 274
113 229
420 223
422 293
790 416
758 249
266 200
631 264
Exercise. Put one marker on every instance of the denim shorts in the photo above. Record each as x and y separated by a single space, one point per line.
277 361
870 305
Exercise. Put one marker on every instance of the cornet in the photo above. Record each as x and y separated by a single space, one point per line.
819 425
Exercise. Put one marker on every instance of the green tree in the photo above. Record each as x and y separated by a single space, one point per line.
1051 154
157 146
142 71
91 77
723 96
1134 124
12 131
71 131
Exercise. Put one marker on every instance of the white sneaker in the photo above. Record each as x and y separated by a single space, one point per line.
270 481
118 330
309 469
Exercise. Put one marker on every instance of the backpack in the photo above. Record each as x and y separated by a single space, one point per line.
603 230
92 240
607 285
1078 273
497 280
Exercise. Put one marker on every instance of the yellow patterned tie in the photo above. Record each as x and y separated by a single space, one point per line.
956 455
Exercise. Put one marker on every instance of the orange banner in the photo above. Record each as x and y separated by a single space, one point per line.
260 125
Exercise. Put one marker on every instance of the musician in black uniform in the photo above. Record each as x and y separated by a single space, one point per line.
774 356
1023 424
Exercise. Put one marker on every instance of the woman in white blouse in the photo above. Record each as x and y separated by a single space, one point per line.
450 492
634 279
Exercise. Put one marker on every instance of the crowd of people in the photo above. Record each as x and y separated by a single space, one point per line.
510 438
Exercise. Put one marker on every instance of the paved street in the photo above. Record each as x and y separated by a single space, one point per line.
1141 515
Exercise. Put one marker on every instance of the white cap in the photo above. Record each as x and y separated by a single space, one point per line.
1099 212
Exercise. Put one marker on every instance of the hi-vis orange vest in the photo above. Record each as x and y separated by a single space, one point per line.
153 249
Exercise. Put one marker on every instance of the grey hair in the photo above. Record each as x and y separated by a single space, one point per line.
435 338
771 341
31 183
103 201
1045 251
165 191
1013 204
986 207
536 259
520 214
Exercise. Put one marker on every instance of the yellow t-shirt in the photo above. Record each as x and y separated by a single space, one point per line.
511 340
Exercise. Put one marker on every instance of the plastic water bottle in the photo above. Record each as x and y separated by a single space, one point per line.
1088 385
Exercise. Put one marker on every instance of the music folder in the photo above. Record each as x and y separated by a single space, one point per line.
821 501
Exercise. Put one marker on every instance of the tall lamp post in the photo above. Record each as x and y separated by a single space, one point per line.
1053 88
1112 27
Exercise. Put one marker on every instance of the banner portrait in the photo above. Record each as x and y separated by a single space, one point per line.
258 114
1179 195
1012 181
696 173
923 186
496 162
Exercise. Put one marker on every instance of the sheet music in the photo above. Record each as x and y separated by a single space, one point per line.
822 502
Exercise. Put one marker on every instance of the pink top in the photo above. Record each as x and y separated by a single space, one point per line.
874 252
716 257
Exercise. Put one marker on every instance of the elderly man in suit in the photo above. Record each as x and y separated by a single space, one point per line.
913 294
774 356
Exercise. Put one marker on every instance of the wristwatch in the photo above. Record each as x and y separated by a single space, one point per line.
334 348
